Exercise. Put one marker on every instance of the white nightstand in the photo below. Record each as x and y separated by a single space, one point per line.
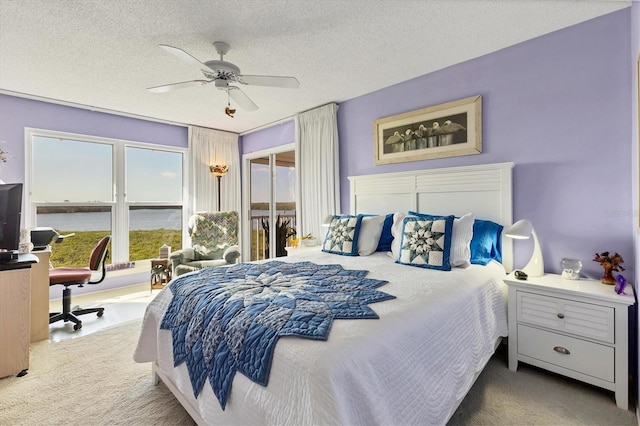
577 328
292 251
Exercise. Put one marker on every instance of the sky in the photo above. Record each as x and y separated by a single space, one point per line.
151 175
285 183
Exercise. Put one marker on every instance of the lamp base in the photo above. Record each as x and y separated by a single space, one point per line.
535 268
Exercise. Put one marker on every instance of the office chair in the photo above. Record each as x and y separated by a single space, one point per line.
78 276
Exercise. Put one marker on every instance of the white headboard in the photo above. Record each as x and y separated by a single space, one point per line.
484 190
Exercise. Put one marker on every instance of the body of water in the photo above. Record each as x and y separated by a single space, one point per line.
143 219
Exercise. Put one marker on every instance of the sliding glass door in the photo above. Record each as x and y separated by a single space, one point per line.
270 177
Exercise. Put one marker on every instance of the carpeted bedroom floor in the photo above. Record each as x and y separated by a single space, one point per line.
92 380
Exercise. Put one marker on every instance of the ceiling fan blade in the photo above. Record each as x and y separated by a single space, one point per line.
270 80
182 85
181 54
241 99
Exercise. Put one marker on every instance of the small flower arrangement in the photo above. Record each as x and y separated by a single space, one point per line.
607 261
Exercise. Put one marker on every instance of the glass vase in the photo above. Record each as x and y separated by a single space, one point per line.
608 277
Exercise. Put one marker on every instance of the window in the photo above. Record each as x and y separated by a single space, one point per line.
92 187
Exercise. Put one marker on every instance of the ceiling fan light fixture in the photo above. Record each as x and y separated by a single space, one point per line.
221 84
222 73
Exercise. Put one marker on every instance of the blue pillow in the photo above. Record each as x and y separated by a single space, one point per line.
426 242
384 244
342 236
486 243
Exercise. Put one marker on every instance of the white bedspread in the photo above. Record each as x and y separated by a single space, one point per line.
411 366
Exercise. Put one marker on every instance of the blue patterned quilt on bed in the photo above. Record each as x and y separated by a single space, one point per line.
229 319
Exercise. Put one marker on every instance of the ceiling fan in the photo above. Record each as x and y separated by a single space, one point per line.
223 74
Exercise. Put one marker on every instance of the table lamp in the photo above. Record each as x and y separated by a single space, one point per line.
522 230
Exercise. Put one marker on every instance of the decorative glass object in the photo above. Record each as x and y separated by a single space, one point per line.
571 268
164 252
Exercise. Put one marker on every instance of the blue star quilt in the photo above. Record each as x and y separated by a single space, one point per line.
229 319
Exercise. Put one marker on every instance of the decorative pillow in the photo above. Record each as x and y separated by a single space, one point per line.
342 236
460 239
426 242
370 230
385 237
486 244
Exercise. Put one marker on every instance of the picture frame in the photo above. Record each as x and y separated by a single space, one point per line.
445 130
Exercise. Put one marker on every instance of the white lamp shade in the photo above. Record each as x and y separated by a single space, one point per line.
523 229
520 230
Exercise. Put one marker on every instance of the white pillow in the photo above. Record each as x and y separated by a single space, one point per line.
370 231
396 232
461 241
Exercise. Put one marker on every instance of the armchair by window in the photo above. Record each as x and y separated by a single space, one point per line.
214 242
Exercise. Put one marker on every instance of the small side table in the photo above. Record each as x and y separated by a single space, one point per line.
292 251
159 281
577 328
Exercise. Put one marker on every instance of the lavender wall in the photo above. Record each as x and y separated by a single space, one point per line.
557 106
18 113
279 134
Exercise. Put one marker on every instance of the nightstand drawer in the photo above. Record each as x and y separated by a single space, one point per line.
578 355
569 316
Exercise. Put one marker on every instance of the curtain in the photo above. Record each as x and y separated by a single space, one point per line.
318 165
209 147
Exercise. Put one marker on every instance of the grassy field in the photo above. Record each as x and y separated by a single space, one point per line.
76 250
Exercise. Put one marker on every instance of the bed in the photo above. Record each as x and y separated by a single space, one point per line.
414 364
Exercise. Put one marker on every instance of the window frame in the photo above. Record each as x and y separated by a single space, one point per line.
119 204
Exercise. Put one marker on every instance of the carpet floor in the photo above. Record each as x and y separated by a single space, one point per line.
93 380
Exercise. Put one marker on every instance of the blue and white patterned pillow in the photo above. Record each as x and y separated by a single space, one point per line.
426 242
342 236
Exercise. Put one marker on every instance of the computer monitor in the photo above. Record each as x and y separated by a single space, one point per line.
10 210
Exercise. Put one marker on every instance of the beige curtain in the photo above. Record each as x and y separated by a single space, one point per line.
209 147
318 165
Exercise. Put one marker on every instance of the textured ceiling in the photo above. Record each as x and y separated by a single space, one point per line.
104 53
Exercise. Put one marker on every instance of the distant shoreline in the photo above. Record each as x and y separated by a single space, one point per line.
280 206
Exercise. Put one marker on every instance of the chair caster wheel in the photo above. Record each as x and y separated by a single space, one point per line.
77 327
100 313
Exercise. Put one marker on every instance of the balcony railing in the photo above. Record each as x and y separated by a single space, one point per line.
259 236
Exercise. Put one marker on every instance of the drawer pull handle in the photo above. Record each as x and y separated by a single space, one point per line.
561 350
560 316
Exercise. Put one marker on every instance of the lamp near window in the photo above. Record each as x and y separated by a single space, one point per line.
218 171
522 230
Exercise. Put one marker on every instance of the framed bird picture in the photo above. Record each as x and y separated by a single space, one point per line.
445 130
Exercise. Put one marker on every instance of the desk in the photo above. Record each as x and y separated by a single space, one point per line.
40 296
15 311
